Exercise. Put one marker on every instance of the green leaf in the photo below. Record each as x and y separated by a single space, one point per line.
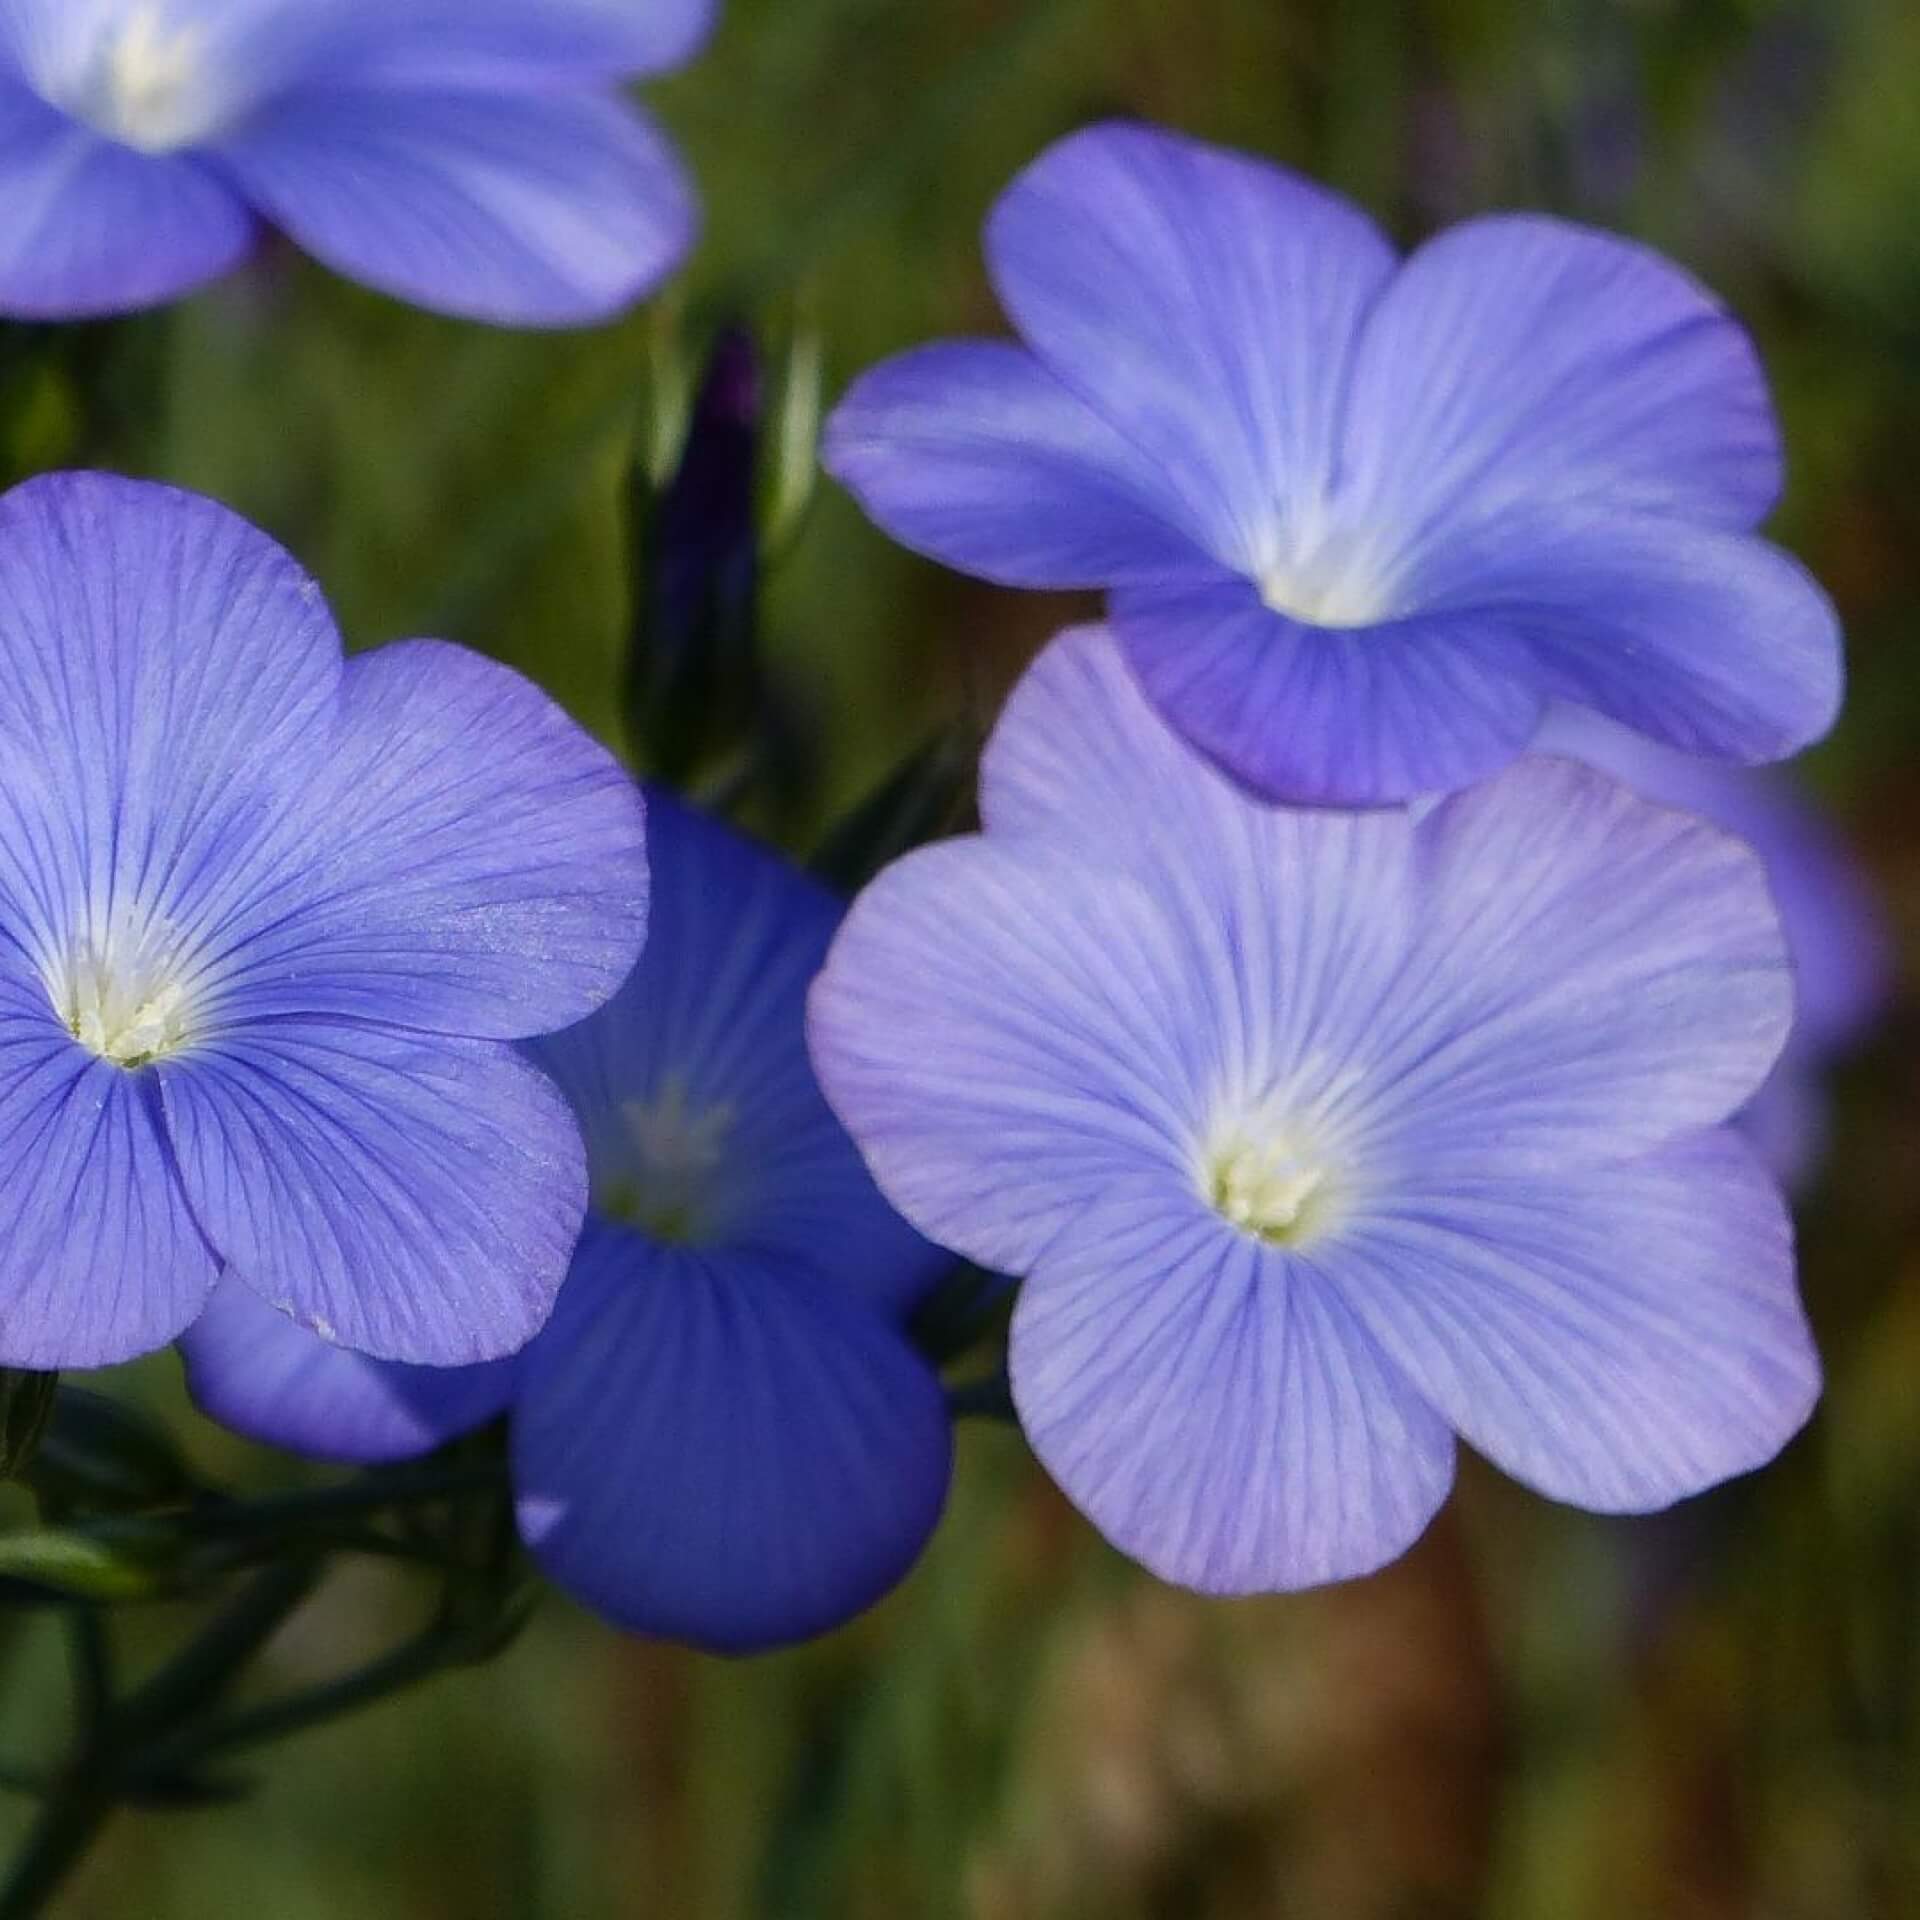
72 1563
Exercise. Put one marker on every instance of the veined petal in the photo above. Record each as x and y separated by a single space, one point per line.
1595 974
1011 1027
413 1200
459 856
1007 1038
1618 1338
1331 716
91 227
161 661
1079 753
1523 360
1835 928
1215 1407
975 455
257 1372
1714 643
708 1451
706 1043
100 1256
1206 303
523 209
511 43
225 59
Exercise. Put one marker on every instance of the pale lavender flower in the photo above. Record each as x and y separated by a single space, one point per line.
1321 1138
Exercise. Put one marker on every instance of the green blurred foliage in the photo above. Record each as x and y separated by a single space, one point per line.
1713 1714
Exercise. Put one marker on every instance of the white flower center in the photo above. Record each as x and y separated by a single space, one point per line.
130 997
1323 597
1327 575
150 83
1281 1167
664 1175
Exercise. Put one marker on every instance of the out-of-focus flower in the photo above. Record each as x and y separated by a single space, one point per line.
1360 519
1836 934
723 1435
1320 1138
270 919
471 156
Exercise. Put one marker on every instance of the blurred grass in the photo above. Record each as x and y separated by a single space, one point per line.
1538 1715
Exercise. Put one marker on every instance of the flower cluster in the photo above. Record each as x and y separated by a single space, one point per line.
1320 1138
1361 1023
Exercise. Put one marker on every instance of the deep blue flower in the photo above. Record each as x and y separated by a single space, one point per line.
1320 1137
268 919
1359 519
1836 932
723 1435
472 156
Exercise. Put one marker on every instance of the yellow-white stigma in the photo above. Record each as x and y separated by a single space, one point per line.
1279 1166
663 1175
1331 599
126 996
1268 1189
1317 571
153 84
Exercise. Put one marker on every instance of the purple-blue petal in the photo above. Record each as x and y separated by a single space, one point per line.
1326 715
1595 974
91 227
458 856
505 43
414 1199
1007 1036
1206 303
162 663
1618 1337
1836 928
711 1023
1521 358
260 1374
708 1448
535 209
101 1258
1216 1408
1711 642
975 455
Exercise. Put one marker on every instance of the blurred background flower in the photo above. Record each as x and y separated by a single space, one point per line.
469 155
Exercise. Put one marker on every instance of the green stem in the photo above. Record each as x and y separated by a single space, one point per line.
155 1737
92 1663
407 1664
68 1825
193 1680
373 1493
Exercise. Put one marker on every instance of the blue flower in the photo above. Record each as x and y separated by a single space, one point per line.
1359 519
1835 929
723 1435
472 156
268 919
1321 1138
